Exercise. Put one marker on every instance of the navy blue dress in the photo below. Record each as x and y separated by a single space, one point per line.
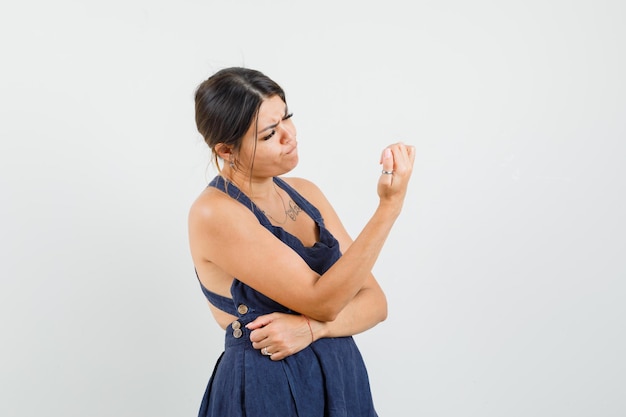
326 379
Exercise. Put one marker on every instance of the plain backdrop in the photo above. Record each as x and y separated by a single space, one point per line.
505 273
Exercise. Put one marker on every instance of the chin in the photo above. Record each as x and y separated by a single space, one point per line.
288 168
295 162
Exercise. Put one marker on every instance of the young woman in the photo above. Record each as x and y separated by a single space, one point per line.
281 274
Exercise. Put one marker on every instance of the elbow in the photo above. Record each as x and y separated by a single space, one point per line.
325 312
376 305
383 311
383 314
381 308
325 315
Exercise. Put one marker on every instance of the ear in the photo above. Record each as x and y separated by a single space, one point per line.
224 151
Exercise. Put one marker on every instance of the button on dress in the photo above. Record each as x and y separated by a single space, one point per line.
326 379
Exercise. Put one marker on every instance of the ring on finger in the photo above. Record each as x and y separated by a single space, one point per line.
265 352
386 172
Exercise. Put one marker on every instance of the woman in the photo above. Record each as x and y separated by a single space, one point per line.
280 272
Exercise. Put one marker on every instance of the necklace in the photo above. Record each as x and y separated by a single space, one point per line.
291 212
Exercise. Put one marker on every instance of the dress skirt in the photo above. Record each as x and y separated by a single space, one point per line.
327 379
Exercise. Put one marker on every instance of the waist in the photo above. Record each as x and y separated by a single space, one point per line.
237 333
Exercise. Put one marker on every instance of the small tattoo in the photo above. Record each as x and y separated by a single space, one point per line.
293 210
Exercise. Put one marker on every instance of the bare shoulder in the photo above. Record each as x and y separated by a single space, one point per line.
215 217
307 189
211 205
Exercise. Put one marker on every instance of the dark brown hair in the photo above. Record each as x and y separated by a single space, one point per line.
228 102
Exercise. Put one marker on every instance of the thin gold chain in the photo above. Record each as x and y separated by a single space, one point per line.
284 208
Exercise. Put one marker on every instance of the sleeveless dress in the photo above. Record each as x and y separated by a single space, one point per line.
326 379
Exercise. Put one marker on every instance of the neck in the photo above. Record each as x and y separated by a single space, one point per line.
256 188
265 195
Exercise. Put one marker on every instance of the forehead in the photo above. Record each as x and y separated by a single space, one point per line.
271 108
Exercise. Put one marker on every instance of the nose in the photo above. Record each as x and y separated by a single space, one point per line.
288 135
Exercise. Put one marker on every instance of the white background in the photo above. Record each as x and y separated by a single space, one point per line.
505 273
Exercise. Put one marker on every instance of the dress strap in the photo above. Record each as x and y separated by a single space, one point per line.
231 189
219 301
225 304
303 203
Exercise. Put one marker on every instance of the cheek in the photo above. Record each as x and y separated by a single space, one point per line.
262 157
247 152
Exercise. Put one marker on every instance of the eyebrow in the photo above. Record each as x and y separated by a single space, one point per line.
269 128
273 125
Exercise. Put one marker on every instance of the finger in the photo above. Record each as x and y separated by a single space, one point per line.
387 166
403 157
387 159
265 351
275 356
259 322
411 151
277 353
258 335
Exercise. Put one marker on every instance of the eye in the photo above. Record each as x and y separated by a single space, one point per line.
272 133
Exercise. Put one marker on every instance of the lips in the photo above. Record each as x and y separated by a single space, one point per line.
291 150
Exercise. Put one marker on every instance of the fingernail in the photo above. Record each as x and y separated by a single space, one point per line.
387 153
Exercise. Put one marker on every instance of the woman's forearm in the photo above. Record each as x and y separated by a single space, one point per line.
366 310
288 334
342 282
334 290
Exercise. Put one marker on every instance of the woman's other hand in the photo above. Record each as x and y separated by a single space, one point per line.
279 335
397 165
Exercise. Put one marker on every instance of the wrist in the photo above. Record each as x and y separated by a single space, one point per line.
308 322
319 329
389 209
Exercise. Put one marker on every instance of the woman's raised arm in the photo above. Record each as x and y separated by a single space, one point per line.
246 250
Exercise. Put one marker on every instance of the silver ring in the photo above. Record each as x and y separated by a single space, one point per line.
387 172
265 352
